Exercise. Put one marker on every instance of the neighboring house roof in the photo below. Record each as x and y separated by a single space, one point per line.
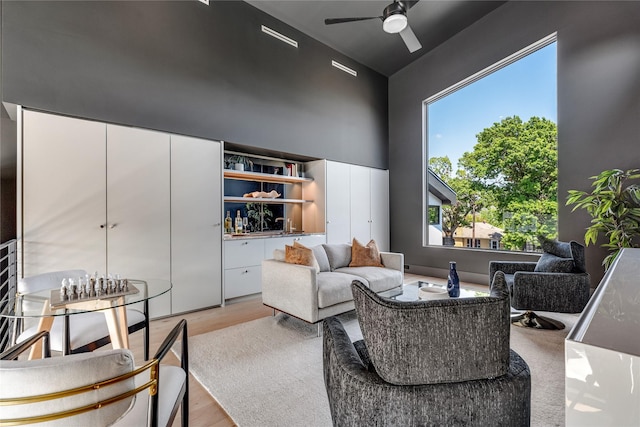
440 189
483 231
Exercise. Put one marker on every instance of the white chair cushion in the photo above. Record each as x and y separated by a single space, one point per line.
84 328
29 377
172 380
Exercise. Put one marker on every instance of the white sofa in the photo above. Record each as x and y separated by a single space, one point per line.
302 292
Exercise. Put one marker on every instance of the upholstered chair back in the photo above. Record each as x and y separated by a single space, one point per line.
436 341
45 281
21 378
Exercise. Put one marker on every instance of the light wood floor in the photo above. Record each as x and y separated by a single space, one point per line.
204 411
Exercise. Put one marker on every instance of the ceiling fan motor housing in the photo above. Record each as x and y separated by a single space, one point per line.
394 18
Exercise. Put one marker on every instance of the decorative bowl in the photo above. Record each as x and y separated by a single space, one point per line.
429 292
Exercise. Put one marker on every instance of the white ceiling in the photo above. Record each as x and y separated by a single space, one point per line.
433 22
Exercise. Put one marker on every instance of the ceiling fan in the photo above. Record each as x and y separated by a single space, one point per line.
394 20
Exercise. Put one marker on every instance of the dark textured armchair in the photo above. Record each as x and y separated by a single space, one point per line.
557 282
439 362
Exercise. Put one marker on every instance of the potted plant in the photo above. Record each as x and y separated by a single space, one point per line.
614 205
239 162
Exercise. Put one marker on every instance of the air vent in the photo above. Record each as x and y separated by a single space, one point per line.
344 68
279 36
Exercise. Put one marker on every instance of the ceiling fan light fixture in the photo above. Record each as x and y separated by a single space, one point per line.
394 23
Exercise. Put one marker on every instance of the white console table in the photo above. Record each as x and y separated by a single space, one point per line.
602 351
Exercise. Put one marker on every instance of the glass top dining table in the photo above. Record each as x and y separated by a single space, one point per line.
45 305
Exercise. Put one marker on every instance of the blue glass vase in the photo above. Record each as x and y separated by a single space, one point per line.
453 282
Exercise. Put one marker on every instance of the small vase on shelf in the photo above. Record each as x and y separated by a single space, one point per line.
453 282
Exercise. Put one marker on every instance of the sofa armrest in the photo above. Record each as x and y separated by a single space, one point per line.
290 288
394 261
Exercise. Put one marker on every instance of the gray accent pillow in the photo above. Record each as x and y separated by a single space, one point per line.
549 263
554 247
321 257
339 255
577 252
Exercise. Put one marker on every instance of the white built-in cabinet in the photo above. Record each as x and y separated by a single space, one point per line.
338 202
196 229
122 200
357 204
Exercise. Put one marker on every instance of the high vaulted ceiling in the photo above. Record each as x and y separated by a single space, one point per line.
432 21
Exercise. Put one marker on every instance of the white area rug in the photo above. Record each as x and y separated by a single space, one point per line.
268 372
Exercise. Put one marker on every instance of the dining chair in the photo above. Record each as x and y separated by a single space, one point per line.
98 389
71 334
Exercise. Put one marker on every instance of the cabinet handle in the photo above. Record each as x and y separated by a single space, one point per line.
217 224
245 243
328 222
103 225
245 272
113 225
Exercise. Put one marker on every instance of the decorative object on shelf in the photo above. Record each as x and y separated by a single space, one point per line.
238 162
260 217
273 194
453 282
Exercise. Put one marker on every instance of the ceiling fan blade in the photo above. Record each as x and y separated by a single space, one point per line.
410 39
408 4
341 20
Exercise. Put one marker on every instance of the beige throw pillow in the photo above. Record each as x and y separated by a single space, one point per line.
365 256
300 254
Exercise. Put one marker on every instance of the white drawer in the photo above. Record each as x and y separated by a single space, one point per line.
242 281
238 253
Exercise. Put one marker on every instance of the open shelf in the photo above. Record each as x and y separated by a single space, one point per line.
234 199
263 177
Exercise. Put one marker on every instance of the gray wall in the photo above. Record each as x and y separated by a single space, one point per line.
188 68
598 111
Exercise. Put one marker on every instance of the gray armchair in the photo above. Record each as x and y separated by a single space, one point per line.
439 362
558 282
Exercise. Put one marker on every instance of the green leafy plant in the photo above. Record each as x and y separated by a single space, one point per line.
614 205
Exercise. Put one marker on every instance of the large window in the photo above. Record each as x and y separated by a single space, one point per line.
492 139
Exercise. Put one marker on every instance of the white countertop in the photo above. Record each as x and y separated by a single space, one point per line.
611 320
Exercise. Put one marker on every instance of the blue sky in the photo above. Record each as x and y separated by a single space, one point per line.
525 88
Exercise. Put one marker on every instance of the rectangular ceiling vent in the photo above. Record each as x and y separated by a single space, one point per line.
279 36
344 68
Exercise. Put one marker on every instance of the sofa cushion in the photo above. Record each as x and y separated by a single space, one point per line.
339 255
379 278
549 263
300 254
334 288
577 253
321 257
554 247
364 256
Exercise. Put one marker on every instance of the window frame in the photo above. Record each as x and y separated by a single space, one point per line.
545 41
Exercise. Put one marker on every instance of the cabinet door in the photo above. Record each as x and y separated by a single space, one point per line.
196 236
138 207
63 194
380 208
360 203
338 204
